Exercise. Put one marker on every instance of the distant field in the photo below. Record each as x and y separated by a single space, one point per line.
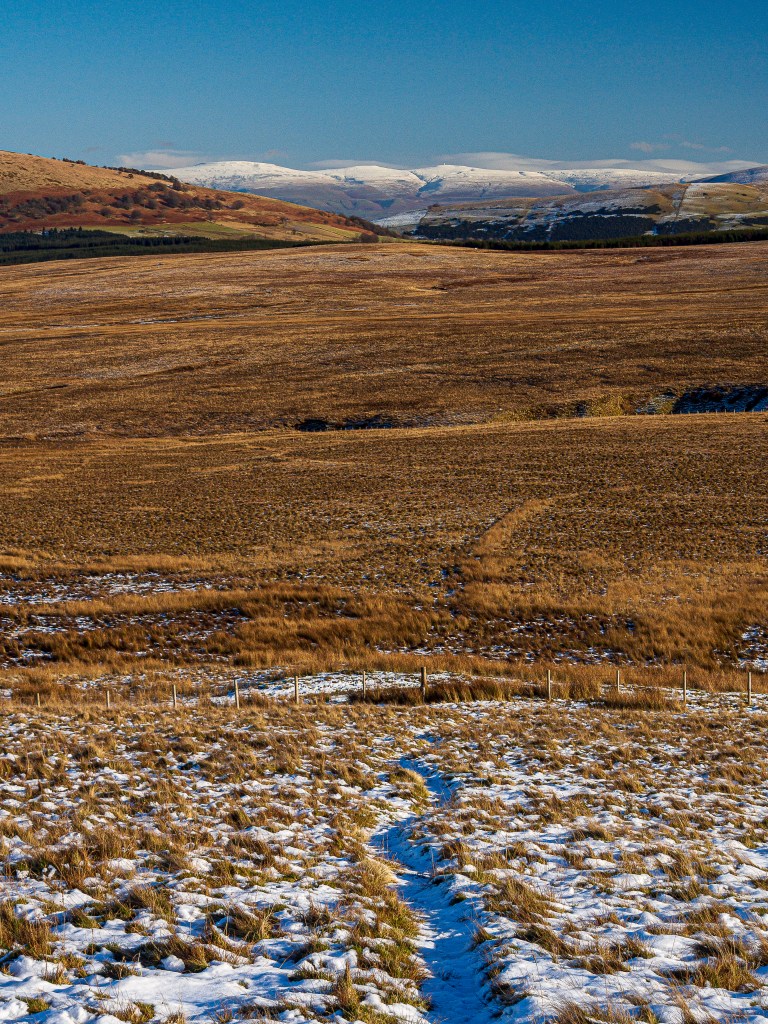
398 333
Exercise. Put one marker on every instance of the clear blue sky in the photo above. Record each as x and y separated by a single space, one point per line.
300 81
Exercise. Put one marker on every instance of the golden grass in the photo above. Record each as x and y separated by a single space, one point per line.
23 172
147 427
636 540
409 333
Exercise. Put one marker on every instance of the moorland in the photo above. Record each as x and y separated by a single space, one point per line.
364 455
246 497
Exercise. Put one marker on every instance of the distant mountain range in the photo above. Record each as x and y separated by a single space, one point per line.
377 192
449 201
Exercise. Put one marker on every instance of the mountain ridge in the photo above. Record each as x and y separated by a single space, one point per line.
377 192
748 176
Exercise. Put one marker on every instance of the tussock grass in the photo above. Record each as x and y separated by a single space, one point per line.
520 901
17 933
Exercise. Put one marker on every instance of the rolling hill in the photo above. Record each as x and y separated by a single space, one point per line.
38 193
749 176
616 213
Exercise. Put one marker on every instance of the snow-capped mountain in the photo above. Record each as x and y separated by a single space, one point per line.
595 179
442 183
376 192
750 176
370 190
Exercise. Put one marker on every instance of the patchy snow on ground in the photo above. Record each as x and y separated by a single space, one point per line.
754 649
520 861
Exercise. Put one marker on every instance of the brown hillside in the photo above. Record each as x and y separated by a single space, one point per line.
36 193
21 172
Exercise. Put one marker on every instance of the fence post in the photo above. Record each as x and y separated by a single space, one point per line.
618 680
749 689
237 695
549 684
109 701
424 684
37 698
365 689
175 699
685 686
296 689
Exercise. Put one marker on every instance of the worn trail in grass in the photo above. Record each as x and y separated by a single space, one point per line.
455 988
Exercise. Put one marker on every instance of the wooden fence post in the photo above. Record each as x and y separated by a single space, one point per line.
237 695
685 686
175 699
424 684
364 685
37 698
618 680
296 689
549 684
109 701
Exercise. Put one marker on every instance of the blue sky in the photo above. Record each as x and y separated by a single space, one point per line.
305 83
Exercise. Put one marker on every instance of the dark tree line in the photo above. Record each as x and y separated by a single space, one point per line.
756 234
77 243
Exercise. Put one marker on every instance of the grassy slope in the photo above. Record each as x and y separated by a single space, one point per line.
670 207
29 183
22 172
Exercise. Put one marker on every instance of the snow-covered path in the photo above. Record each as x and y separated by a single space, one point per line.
455 988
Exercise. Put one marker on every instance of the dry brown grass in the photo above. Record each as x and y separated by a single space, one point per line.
21 172
475 538
19 933
632 539
408 333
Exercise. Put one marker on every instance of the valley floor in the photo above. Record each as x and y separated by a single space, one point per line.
519 860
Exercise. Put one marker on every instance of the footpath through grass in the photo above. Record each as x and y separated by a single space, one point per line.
202 863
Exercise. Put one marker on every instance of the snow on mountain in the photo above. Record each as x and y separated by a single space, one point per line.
377 192
241 175
594 179
376 176
750 176
402 221
452 179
